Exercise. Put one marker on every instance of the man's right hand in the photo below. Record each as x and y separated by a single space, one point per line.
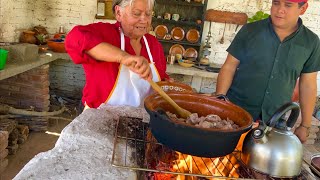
137 64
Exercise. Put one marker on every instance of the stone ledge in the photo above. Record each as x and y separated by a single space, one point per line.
14 68
177 69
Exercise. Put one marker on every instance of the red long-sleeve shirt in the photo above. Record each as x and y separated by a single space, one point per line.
100 75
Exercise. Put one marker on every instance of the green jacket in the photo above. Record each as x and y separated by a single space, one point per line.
268 69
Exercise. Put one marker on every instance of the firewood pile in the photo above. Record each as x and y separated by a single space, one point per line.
36 121
14 128
11 136
4 135
17 134
38 124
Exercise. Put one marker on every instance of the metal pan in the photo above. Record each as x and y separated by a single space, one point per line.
192 140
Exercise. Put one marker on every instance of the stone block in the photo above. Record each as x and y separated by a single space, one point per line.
22 52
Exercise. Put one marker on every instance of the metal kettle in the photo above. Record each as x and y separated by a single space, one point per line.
273 149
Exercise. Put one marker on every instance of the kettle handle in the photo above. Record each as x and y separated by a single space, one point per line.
282 110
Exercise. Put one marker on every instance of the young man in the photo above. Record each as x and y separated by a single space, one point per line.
265 60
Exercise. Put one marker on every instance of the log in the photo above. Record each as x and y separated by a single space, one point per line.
60 118
13 136
13 149
5 109
4 145
34 123
9 116
4 134
3 154
23 130
22 139
7 125
3 165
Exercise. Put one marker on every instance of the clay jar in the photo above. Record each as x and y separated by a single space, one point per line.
28 37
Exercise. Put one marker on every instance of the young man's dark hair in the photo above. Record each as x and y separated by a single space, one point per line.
301 4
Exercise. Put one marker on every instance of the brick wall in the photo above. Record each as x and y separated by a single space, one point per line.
28 89
66 79
15 16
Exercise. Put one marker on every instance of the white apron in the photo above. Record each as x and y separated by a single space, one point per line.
129 89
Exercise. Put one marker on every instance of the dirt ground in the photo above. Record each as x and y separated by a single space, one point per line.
37 142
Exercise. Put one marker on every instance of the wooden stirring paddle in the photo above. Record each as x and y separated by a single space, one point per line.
181 112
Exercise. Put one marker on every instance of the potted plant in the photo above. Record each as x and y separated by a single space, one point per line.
259 15
41 39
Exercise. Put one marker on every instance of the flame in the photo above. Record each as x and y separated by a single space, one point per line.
225 166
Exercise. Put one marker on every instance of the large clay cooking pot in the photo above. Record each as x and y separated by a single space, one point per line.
192 140
28 37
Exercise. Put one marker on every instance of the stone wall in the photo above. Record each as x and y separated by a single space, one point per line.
66 79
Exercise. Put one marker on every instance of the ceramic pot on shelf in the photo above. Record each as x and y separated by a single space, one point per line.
28 37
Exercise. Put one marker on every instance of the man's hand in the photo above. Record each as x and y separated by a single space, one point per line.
302 133
137 64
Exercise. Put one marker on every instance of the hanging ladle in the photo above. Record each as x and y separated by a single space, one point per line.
181 112
224 29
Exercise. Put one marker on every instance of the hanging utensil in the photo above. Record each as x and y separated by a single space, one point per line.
237 27
181 112
224 29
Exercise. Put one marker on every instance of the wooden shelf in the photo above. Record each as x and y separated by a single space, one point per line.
180 42
189 12
181 23
180 3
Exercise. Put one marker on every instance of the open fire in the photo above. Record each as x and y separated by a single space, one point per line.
153 161
184 165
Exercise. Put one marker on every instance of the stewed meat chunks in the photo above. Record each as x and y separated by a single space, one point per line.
210 121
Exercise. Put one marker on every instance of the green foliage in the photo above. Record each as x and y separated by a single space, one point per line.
258 16
41 38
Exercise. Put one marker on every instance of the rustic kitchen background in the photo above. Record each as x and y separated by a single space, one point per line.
16 16
33 86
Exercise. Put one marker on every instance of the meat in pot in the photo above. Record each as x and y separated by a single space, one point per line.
210 121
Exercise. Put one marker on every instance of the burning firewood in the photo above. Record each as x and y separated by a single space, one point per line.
162 158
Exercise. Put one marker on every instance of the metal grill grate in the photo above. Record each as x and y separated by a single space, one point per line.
134 149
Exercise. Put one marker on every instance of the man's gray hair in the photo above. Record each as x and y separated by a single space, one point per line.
124 3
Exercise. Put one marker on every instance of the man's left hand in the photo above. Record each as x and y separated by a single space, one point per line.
302 133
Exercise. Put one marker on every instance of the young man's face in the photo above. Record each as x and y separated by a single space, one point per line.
285 14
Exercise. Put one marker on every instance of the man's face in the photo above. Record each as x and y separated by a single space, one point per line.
136 19
285 14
